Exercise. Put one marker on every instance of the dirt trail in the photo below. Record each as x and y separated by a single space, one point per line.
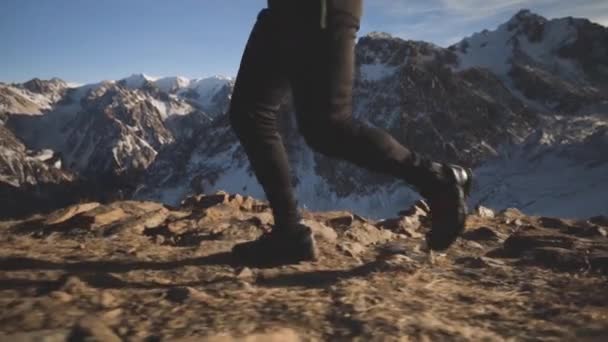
140 271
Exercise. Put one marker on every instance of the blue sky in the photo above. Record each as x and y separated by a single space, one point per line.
90 40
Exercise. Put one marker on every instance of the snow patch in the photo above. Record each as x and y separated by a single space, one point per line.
377 71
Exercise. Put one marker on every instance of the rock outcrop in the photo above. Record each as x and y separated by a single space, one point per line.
146 271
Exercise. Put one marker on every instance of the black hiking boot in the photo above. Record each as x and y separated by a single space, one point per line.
279 247
447 202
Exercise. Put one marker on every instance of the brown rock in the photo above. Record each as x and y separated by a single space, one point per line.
407 225
484 212
112 315
91 328
523 241
511 214
218 213
321 231
205 201
551 222
139 224
588 230
178 294
245 273
97 217
419 208
73 285
180 226
178 215
107 300
65 214
599 261
338 219
352 249
262 219
481 234
554 257
367 234
236 200
61 296
136 208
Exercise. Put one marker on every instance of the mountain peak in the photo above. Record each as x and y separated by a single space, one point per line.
136 80
524 14
378 35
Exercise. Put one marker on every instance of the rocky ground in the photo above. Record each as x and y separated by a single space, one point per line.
141 271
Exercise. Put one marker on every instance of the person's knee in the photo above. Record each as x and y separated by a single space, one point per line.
325 136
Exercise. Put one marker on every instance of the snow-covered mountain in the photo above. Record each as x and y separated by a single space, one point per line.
210 94
525 104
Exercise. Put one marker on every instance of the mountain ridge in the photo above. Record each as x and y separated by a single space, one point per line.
172 137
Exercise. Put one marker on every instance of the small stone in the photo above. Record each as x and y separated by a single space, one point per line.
61 296
198 295
236 200
475 245
73 285
511 213
107 300
245 273
247 203
112 315
181 294
176 215
484 212
159 239
177 294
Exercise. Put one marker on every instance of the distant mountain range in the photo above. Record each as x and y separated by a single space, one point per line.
525 104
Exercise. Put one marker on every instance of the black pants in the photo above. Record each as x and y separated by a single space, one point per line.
289 49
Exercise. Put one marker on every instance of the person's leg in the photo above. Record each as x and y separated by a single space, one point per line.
260 87
322 78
